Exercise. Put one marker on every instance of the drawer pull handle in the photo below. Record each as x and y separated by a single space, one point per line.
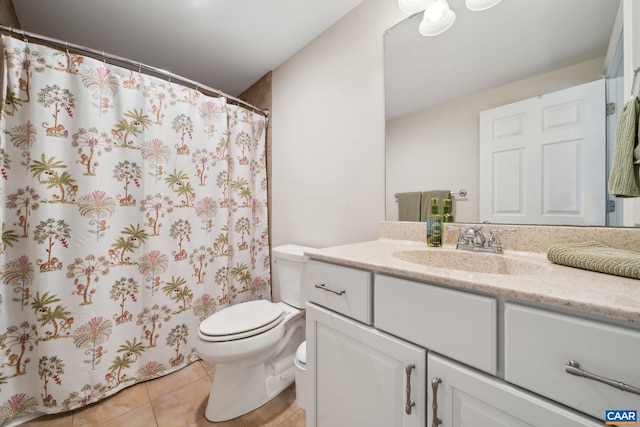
434 387
573 368
409 403
324 288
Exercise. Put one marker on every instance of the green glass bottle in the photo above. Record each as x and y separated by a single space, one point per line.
447 216
434 226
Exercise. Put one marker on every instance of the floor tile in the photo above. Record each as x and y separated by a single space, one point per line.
184 406
139 417
179 400
56 420
274 412
111 407
164 385
236 422
209 367
298 419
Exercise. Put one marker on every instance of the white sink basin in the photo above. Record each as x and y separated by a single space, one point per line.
473 262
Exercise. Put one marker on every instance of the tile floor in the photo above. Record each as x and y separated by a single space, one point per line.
175 400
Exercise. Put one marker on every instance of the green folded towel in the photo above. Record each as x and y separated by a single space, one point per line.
595 256
624 179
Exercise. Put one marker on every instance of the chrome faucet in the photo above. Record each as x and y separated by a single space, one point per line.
473 239
478 237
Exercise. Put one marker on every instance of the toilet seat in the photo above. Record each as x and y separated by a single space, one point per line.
241 321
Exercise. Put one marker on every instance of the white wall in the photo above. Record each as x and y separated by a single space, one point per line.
328 133
437 148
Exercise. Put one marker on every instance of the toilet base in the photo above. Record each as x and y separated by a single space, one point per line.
239 388
228 401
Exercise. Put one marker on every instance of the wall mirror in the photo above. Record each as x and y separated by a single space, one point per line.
435 87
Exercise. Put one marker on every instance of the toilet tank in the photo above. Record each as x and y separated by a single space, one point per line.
291 266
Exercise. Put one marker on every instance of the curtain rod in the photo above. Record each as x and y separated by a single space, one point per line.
134 65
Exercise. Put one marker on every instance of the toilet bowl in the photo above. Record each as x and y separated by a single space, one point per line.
253 344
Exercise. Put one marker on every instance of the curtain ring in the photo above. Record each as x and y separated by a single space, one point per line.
170 74
24 37
104 60
139 67
66 45
197 86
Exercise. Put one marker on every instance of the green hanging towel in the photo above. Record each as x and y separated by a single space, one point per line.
624 179
409 206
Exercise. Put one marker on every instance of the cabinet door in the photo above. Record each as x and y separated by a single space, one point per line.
460 396
360 376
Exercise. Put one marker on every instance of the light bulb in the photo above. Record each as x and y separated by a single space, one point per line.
435 12
414 6
437 19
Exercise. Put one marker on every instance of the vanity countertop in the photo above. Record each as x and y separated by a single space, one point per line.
571 288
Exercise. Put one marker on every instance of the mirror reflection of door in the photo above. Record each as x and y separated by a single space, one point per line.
543 160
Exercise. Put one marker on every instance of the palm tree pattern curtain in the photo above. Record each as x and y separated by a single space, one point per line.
132 208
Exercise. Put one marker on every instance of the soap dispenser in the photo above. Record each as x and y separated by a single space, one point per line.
447 216
434 225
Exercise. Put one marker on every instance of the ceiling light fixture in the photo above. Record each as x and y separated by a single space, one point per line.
438 17
480 5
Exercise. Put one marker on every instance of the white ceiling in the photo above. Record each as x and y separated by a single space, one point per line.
224 44
514 40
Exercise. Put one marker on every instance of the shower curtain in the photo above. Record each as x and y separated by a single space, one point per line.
132 208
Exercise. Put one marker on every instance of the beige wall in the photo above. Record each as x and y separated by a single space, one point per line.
328 133
8 15
437 148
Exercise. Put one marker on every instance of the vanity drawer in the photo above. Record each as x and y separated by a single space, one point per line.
342 289
540 344
457 324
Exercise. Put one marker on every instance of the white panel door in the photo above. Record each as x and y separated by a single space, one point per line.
543 160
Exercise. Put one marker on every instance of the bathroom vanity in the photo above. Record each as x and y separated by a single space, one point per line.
399 340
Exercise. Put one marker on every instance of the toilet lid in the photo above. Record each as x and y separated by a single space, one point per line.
242 320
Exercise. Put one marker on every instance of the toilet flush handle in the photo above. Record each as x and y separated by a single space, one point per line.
325 288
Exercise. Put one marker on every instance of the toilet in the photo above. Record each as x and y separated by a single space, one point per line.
253 344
